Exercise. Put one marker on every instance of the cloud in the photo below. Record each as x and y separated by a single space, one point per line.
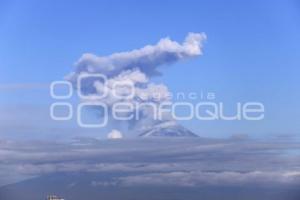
146 59
114 134
200 178
135 67
103 183
152 161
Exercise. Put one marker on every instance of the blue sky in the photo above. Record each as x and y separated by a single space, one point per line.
251 54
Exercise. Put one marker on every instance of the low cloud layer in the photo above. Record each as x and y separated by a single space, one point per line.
183 162
200 178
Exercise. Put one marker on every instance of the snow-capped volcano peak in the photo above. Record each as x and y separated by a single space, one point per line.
168 129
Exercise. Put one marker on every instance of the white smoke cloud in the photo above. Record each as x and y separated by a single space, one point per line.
114 134
136 67
146 59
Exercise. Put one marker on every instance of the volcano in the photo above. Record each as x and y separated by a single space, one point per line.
168 129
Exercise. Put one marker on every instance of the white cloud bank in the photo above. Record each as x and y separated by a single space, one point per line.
185 162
